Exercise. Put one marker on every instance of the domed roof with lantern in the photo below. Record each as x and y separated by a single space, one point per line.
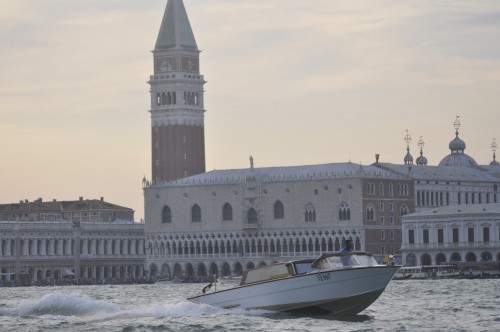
408 158
457 157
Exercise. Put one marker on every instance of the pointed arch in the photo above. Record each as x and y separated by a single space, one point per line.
344 212
252 216
166 215
227 212
370 213
196 213
404 210
310 213
279 210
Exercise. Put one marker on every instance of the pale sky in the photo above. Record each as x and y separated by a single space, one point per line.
290 82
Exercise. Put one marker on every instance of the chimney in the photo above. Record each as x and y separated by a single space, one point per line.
102 199
377 156
54 200
81 198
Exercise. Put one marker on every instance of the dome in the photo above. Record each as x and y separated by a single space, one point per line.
457 144
457 157
408 158
421 160
458 160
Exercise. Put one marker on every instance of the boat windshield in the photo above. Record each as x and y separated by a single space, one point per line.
345 260
303 267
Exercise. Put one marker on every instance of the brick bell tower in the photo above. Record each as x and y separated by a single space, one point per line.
177 108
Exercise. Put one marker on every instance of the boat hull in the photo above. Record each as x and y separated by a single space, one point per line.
345 291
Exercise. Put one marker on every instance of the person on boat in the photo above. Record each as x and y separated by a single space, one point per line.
348 246
346 260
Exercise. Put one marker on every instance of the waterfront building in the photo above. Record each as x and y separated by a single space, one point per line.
56 251
81 210
224 222
452 234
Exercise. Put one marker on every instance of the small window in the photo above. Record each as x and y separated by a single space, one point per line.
455 235
344 212
404 210
440 235
382 235
310 213
486 234
227 212
470 234
279 210
411 236
252 216
381 207
370 213
196 213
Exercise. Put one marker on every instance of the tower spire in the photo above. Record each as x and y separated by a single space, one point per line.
175 30
177 103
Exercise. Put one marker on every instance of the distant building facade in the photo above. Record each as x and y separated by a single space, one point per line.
455 233
86 239
49 252
82 210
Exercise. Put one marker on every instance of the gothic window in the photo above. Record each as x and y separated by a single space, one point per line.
391 190
169 98
166 215
227 212
158 99
163 98
381 189
279 211
371 188
196 213
344 212
370 213
310 213
404 210
174 101
252 216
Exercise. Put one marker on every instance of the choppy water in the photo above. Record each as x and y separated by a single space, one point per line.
427 305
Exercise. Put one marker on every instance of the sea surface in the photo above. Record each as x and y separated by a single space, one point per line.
407 305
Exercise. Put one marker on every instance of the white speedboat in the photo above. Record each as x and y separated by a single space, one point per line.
341 283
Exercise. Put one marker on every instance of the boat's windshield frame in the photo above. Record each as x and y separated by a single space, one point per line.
332 261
